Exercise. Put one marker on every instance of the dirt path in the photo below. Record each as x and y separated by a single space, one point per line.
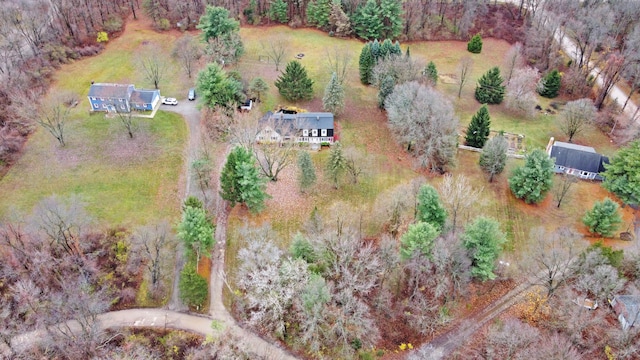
191 115
444 345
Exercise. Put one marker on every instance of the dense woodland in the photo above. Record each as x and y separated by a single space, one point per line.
334 292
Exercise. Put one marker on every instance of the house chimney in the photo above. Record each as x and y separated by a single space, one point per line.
550 145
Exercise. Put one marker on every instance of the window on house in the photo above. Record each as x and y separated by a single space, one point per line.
96 106
305 132
323 132
314 132
585 173
104 106
92 98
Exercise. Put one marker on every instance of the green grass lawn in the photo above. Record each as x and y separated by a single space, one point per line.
122 181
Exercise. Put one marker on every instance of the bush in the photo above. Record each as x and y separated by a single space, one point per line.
164 24
113 24
102 37
475 44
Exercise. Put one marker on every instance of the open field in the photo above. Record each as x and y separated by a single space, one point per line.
122 181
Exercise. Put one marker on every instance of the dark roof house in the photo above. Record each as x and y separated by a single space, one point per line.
581 161
311 127
627 307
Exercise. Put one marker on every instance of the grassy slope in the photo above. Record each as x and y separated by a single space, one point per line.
122 181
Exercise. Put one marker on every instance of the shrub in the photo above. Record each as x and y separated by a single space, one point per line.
475 44
113 24
102 37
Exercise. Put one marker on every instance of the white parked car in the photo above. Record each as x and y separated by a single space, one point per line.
170 101
247 105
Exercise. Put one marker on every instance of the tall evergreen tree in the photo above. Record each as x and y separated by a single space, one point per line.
391 17
490 89
307 172
294 84
386 88
533 180
479 128
368 23
216 23
395 50
337 163
366 64
217 89
278 11
375 50
333 100
318 12
550 84
241 182
431 73
483 239
430 209
622 176
494 156
475 44
385 49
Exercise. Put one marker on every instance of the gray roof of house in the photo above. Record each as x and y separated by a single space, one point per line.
574 146
631 304
309 120
143 96
315 120
107 90
576 158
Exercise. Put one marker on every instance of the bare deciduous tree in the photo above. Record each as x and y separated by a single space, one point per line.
424 120
154 243
54 114
464 71
577 115
355 163
338 61
458 196
561 187
62 222
510 340
521 91
276 49
273 158
513 61
550 256
187 50
129 121
153 66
